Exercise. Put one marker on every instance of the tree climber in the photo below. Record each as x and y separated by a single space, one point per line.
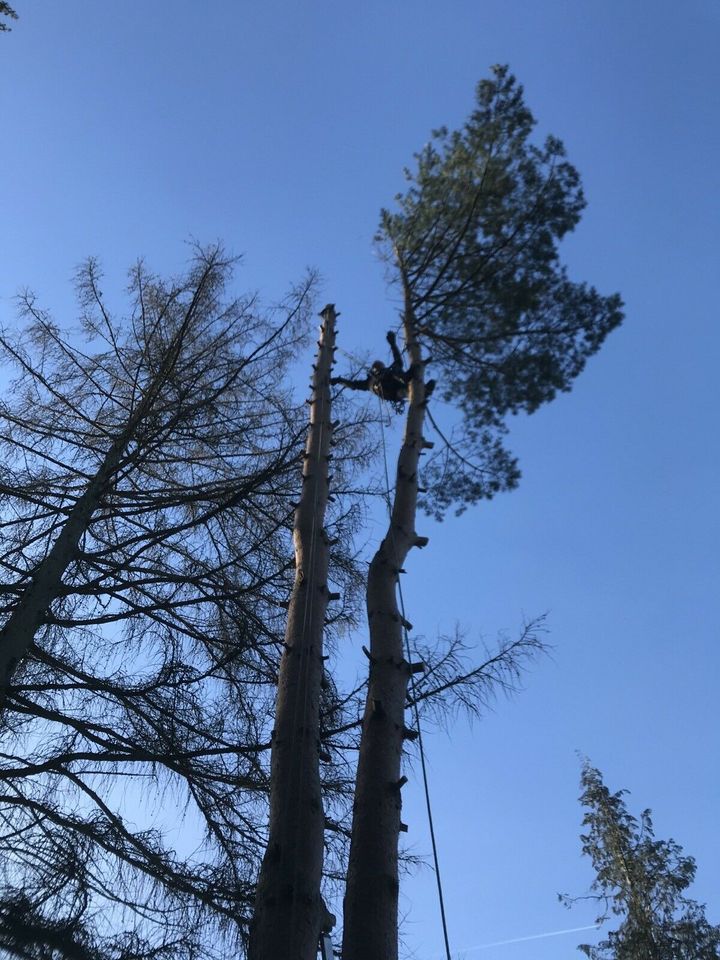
388 383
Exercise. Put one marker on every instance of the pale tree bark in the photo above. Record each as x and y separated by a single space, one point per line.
371 894
289 912
46 585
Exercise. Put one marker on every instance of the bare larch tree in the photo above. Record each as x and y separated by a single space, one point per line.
147 472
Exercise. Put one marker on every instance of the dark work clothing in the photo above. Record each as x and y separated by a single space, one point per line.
388 383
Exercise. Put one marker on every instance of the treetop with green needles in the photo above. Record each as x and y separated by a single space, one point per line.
473 243
642 880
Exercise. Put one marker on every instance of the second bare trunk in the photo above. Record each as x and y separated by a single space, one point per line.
289 911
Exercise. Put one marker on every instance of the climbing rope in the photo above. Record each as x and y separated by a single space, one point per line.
416 711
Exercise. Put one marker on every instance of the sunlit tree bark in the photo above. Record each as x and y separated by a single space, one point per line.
371 898
290 913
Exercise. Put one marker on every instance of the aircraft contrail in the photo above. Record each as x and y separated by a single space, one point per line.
534 936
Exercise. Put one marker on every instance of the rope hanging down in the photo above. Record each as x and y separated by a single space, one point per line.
416 711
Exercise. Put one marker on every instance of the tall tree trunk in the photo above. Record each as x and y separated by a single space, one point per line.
289 911
371 893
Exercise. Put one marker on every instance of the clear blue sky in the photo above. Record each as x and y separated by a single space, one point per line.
282 127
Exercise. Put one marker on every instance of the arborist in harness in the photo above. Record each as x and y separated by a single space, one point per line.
388 383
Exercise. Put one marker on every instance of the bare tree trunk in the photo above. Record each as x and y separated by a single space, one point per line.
371 893
289 911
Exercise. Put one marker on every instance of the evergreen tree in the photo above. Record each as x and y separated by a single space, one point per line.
472 246
642 880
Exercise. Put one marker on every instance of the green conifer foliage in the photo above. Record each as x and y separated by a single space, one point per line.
473 245
642 880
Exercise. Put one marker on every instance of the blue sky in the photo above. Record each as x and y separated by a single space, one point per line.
282 128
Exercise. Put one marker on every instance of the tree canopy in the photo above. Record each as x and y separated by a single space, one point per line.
643 881
473 245
148 461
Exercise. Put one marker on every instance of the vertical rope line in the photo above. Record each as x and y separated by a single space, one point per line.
416 712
